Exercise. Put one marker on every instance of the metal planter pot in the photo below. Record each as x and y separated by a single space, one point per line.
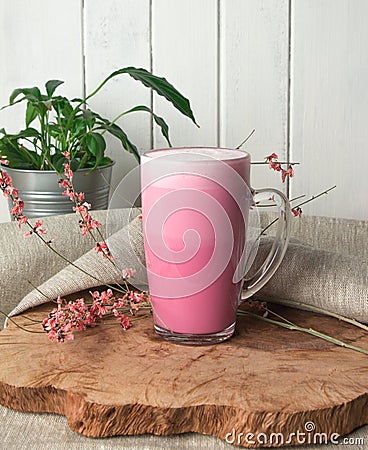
42 196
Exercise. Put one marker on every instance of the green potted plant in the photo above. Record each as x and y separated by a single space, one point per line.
56 125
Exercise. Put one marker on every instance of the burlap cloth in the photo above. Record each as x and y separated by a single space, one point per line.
325 265
333 280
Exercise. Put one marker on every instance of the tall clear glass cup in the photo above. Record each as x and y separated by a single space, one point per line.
195 214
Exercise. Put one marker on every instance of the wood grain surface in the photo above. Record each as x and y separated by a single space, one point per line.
264 380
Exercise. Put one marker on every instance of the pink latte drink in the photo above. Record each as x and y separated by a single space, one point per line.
195 204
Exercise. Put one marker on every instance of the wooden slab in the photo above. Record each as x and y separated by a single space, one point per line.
264 380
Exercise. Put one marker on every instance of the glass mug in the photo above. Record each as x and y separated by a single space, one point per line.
195 211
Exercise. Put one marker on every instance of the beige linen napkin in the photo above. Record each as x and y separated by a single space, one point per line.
334 281
329 280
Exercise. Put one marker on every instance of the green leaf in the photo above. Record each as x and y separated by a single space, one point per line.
84 161
79 126
28 132
77 100
105 161
51 85
158 84
57 161
96 145
163 88
164 128
74 165
159 120
29 94
40 107
54 130
31 114
12 139
116 131
20 158
62 106
88 117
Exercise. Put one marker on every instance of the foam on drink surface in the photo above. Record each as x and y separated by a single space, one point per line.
196 154
193 167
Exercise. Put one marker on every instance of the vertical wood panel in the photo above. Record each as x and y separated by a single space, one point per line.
329 102
39 40
117 34
254 80
184 39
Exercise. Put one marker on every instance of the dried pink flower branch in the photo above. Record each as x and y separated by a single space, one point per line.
78 315
274 164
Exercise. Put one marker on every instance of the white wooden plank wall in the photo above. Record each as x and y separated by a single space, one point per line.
254 81
295 70
39 40
116 35
184 43
329 104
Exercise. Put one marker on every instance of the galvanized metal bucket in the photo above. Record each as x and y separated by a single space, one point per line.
42 196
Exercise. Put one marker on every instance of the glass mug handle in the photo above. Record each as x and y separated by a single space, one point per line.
273 260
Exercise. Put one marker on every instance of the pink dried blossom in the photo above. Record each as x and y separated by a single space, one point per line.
103 249
124 322
17 208
296 211
69 193
21 220
87 223
37 228
98 309
273 163
77 315
87 206
6 185
67 171
272 156
64 183
106 296
289 172
128 273
10 191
